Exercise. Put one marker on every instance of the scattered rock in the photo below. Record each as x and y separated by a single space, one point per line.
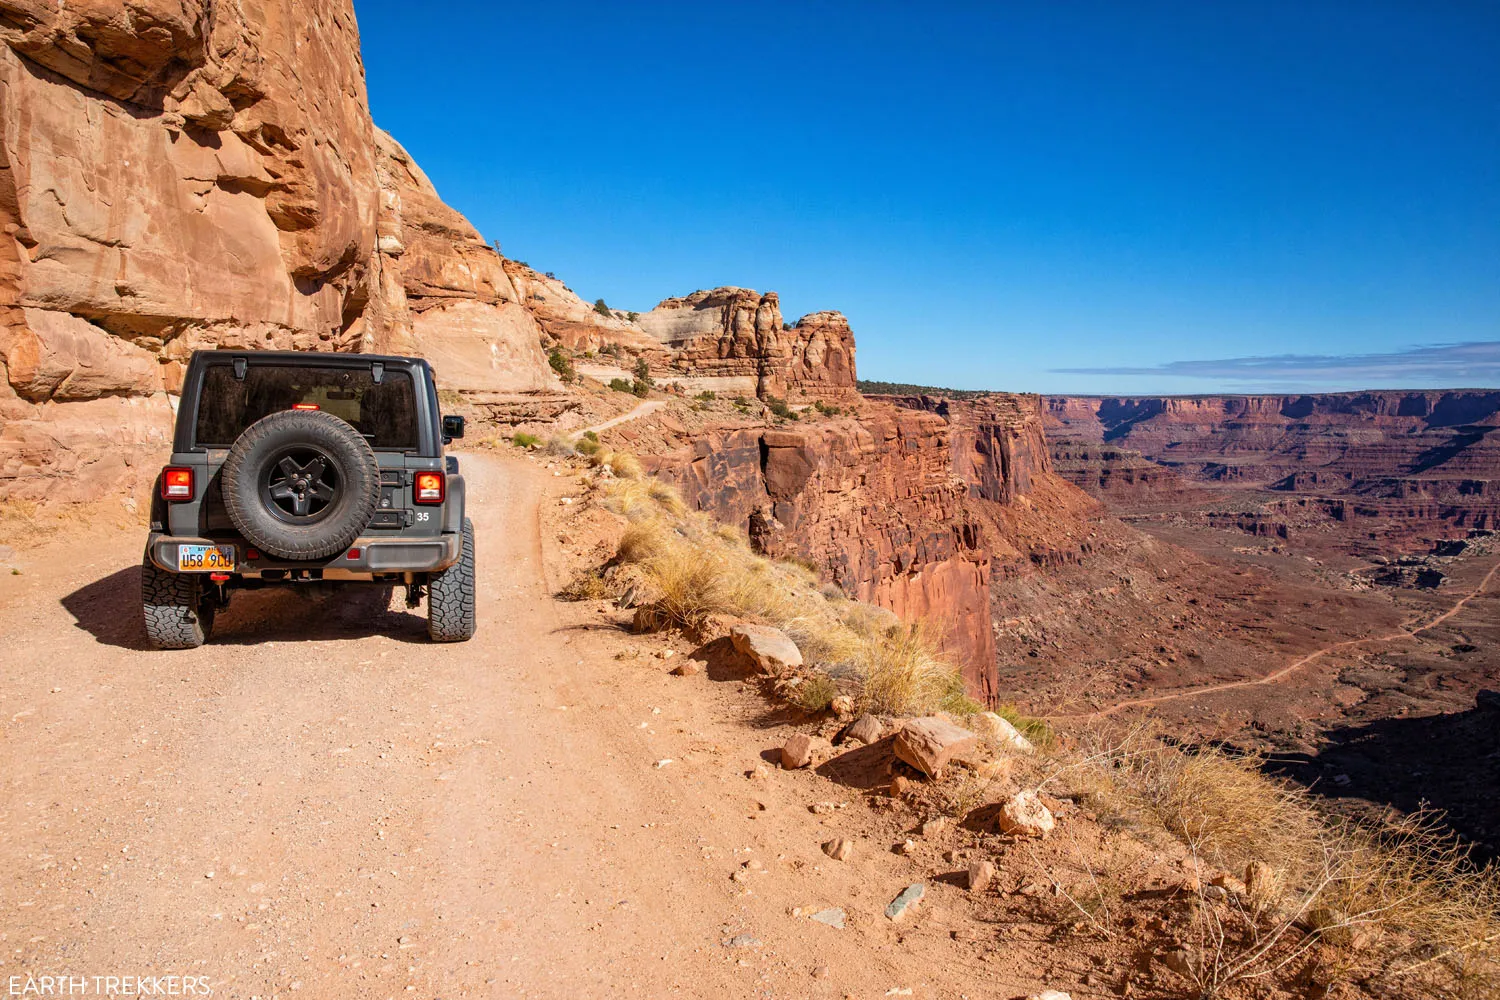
1260 881
996 770
907 846
867 729
999 730
823 808
768 647
842 706
839 849
906 902
928 744
833 917
760 772
822 972
688 668
742 941
1230 884
900 786
1180 961
1024 815
797 752
936 827
981 874
1050 995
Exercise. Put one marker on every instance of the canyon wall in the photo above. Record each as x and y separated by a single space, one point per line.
181 174
871 501
1424 455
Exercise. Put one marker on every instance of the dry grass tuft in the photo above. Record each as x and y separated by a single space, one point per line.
702 569
1401 907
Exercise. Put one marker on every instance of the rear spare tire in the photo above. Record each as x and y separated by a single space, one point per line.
300 484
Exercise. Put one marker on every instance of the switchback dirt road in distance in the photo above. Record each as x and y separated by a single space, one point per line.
320 801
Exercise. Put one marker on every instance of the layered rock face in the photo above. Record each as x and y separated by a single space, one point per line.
731 341
1417 455
180 174
873 502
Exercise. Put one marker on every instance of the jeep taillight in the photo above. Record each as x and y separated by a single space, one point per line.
176 483
429 487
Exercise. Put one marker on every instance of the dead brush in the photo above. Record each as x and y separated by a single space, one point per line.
1320 898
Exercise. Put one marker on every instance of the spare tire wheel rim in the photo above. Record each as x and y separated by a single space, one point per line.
301 485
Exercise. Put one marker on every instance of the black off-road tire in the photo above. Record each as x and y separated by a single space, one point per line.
450 596
176 614
250 462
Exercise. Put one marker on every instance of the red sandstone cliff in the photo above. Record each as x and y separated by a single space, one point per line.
177 174
872 501
1405 454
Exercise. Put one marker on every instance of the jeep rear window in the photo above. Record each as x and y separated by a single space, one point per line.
386 414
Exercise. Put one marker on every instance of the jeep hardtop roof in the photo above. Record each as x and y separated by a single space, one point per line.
427 415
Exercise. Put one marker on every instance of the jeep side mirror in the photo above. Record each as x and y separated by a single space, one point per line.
453 427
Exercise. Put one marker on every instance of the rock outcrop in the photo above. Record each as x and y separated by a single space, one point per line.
871 501
179 174
732 341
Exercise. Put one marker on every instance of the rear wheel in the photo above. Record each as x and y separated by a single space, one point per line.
450 596
177 614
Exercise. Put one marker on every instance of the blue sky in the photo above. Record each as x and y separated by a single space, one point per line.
1062 197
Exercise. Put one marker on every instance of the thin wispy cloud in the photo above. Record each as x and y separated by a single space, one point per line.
1469 365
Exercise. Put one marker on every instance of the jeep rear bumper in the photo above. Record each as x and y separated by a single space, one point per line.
365 557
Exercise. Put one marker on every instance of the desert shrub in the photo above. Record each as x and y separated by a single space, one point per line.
602 309
642 371
625 465
633 316
562 364
742 404
706 396
1034 729
561 445
825 409
621 385
814 692
591 436
587 446
780 408
641 387
586 586
523 440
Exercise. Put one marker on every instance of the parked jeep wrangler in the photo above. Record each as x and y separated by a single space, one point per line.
315 471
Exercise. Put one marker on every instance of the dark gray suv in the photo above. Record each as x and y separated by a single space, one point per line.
295 469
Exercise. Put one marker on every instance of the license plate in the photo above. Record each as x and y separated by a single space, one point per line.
205 558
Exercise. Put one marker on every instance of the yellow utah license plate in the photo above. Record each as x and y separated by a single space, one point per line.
205 558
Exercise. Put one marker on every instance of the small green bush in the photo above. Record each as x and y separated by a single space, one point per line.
779 407
588 446
621 385
591 436
562 364
706 396
641 387
602 309
523 440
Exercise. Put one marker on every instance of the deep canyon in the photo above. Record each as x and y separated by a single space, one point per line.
1077 553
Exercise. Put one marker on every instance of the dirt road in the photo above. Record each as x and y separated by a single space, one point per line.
1408 631
320 800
